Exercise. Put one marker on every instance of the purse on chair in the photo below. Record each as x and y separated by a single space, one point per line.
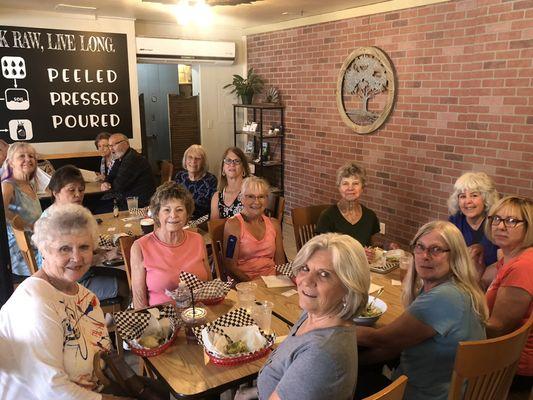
116 375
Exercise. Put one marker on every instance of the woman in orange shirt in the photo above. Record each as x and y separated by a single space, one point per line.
253 242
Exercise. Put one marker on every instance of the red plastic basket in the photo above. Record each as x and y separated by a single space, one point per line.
210 302
156 350
232 361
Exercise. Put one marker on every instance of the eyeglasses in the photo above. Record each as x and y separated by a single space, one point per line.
509 222
251 197
104 146
229 161
117 143
433 251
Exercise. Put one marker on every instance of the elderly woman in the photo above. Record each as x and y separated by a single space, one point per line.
195 177
102 145
349 216
226 202
510 226
158 258
67 185
253 242
318 359
474 193
444 305
21 204
51 327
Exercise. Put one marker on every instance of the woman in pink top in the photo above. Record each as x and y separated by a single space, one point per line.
158 258
510 296
253 243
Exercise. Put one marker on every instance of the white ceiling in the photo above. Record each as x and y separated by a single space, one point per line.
243 16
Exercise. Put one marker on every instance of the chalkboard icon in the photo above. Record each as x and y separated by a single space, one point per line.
20 129
13 67
17 99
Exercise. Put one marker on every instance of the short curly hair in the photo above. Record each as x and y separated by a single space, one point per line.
170 191
473 182
349 169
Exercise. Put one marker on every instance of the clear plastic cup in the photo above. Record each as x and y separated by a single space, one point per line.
133 202
405 263
262 314
246 294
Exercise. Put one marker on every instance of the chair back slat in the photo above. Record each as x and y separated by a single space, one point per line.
23 242
215 227
304 220
125 247
486 367
394 391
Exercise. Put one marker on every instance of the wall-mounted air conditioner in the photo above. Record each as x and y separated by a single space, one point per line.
179 51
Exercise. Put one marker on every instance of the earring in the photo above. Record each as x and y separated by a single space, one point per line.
223 173
243 174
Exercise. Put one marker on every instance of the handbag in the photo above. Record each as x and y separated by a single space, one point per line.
119 378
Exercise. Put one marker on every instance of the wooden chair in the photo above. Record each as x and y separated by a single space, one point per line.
125 243
23 242
484 369
167 169
275 207
304 221
215 227
392 392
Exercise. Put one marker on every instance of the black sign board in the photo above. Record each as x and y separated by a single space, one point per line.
61 85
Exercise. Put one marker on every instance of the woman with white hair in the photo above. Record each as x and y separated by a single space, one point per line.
51 327
318 359
197 179
253 242
21 203
443 306
474 194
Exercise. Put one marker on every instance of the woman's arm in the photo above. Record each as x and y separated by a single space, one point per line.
279 257
509 309
214 207
138 277
232 228
405 331
7 197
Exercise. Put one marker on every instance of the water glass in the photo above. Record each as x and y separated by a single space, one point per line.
246 294
133 202
405 263
262 314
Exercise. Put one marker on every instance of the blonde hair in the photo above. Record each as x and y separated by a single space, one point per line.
473 182
349 263
519 205
462 269
13 148
196 149
253 182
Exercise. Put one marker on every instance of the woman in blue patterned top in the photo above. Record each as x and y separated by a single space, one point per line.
197 179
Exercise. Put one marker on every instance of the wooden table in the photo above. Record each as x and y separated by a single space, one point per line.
183 369
90 189
288 309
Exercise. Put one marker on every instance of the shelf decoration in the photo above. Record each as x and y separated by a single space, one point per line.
366 88
272 96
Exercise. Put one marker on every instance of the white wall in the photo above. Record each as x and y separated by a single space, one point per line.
83 23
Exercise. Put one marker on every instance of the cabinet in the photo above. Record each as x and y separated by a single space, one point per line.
251 127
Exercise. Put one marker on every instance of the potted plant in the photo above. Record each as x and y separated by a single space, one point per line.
245 88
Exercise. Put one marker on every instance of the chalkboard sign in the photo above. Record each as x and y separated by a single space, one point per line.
61 85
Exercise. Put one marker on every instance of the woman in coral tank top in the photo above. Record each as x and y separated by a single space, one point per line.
158 258
253 243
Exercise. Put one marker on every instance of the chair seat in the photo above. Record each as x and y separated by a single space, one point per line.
111 301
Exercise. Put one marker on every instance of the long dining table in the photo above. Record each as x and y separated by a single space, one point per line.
183 368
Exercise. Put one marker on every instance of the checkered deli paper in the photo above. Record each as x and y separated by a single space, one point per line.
131 324
214 289
139 212
106 241
235 318
285 269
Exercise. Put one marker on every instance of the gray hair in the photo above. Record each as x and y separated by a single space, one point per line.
473 182
349 169
253 182
63 219
349 263
196 149
462 269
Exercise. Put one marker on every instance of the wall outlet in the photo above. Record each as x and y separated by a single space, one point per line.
382 228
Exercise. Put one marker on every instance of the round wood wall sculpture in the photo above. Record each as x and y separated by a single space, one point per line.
366 89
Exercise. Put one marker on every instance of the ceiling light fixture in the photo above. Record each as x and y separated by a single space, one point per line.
197 12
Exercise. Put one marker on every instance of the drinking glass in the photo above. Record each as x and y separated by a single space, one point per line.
246 294
133 202
262 314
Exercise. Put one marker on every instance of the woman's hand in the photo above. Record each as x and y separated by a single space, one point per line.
477 254
246 394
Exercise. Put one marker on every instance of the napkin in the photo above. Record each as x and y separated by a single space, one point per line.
374 288
272 281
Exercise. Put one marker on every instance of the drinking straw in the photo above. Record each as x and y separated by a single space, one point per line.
192 300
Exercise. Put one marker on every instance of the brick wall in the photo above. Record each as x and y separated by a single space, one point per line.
464 102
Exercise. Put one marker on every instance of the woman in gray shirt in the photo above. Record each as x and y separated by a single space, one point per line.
319 355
